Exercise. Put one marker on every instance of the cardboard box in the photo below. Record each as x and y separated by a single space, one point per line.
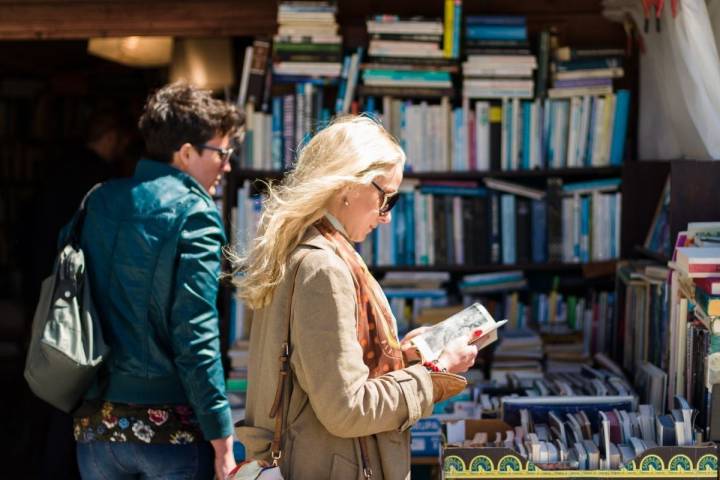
699 461
426 438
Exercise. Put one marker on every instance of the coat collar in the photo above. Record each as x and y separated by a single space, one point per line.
313 238
147 169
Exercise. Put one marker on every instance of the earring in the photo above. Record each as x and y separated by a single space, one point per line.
347 204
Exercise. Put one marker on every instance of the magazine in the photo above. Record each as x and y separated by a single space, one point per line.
462 324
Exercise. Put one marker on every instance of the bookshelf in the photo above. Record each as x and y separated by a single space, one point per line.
692 199
564 17
569 173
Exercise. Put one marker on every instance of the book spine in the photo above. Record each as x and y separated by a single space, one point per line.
457 27
619 127
516 135
471 138
523 230
311 57
526 135
458 232
541 83
589 63
288 130
245 77
539 231
583 82
495 141
353 73
495 231
449 230
516 20
411 231
258 67
449 22
496 32
482 136
585 234
508 229
277 133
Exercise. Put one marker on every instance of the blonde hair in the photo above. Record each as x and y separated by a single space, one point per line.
352 150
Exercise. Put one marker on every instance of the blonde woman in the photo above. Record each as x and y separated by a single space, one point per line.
354 389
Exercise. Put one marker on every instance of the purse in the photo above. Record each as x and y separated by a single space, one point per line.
66 346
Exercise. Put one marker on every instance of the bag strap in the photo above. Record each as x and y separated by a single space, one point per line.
79 219
276 448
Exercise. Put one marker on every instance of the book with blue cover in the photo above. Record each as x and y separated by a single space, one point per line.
619 128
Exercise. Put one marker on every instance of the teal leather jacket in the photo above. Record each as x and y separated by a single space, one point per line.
152 244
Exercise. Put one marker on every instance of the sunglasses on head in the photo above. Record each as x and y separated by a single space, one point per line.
387 200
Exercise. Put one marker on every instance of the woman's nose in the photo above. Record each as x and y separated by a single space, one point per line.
385 218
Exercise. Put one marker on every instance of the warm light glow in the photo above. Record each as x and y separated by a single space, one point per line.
204 62
133 51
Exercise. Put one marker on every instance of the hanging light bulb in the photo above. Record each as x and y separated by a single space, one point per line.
203 62
133 51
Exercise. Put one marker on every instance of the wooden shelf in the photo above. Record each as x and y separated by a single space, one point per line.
569 173
425 460
646 252
404 92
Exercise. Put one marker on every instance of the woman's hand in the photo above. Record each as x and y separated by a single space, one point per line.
409 351
413 333
224 458
458 356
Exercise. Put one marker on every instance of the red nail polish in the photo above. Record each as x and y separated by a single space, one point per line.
477 333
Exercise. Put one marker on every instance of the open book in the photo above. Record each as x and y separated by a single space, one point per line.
462 324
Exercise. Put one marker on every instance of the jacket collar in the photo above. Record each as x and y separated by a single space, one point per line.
313 238
147 169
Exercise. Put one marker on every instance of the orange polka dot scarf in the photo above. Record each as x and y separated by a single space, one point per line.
376 329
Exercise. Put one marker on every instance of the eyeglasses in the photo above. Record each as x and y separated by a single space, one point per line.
223 153
387 200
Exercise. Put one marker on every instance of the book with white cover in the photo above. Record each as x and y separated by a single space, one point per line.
475 317
698 262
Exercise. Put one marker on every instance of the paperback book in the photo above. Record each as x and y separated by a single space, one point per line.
472 319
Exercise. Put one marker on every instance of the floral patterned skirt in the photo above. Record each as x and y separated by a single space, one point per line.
117 422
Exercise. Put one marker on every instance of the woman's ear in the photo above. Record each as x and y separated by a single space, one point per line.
352 192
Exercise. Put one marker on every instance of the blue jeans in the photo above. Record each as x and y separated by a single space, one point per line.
125 461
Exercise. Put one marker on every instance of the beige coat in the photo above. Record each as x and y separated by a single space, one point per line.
332 400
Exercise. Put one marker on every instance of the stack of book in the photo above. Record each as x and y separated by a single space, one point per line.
671 329
492 282
578 72
306 56
519 352
692 339
502 135
591 213
307 45
499 62
588 125
406 57
409 293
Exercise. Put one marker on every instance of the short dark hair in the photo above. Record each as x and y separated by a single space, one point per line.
180 113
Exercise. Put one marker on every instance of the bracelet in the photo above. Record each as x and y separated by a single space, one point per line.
433 367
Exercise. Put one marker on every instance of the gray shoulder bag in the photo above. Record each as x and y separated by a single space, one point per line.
67 346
